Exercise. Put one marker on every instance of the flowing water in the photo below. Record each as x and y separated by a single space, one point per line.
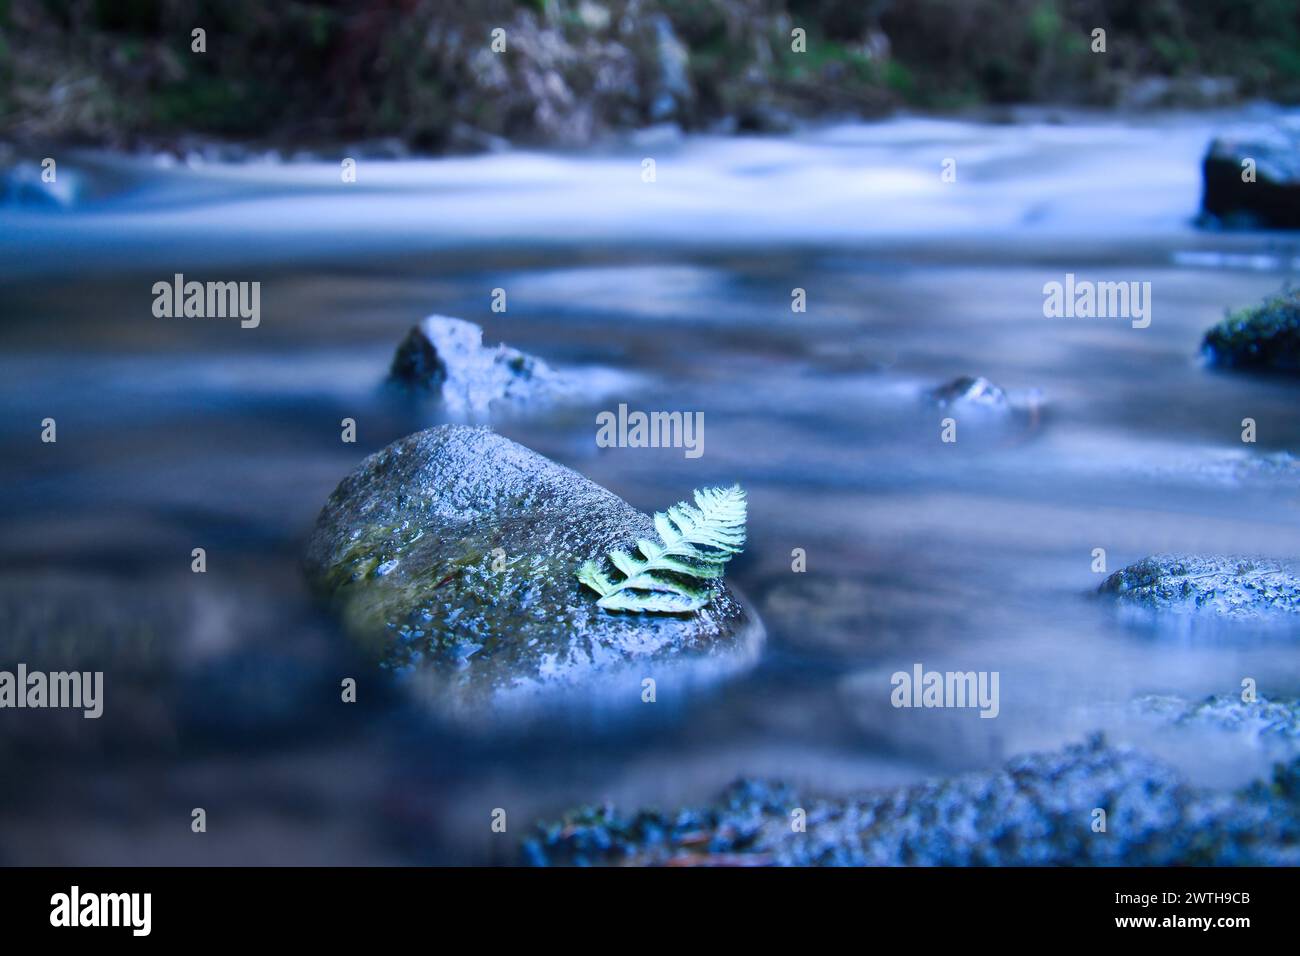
977 555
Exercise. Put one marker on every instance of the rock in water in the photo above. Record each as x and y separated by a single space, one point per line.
452 556
1273 199
976 400
1271 724
1228 586
447 356
969 391
1264 337
1036 811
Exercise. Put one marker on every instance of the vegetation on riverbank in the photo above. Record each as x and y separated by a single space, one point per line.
424 73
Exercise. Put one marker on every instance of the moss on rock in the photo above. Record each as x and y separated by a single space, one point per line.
451 555
1229 586
1036 811
1266 336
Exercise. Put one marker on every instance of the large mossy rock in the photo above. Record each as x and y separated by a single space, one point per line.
1273 199
452 555
1228 586
1264 337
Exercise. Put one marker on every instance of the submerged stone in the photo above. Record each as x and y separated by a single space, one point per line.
1269 724
1038 810
446 356
1272 200
970 391
451 555
1266 336
1228 586
975 400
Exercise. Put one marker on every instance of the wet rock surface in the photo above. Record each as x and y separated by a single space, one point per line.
1266 336
1037 810
451 555
1271 724
1227 586
976 399
969 391
447 357
1273 199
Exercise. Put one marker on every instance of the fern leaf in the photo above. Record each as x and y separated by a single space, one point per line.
626 564
653 552
591 575
695 543
663 602
667 532
652 581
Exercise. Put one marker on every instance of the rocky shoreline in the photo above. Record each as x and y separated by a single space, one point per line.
468 78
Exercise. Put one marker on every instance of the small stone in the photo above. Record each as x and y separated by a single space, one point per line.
1273 199
446 356
1269 724
1228 586
1266 336
970 392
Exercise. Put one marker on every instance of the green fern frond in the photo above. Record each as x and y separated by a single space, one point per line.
671 575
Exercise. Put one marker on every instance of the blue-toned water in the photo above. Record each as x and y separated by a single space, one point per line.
180 433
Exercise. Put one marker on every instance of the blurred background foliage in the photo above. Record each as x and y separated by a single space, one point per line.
422 72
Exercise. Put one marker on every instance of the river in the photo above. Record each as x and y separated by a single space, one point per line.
179 433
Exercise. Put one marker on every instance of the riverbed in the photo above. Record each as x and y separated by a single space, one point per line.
974 555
